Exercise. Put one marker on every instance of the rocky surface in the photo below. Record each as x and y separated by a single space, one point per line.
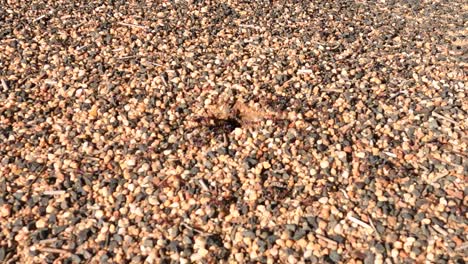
231 131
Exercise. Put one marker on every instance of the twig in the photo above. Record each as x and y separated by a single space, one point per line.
132 25
390 154
375 229
4 84
53 193
163 79
448 119
156 64
458 153
326 239
359 222
392 96
440 230
9 259
345 194
47 241
82 47
128 57
39 18
445 161
9 39
305 71
201 232
203 185
50 82
53 250
438 177
165 179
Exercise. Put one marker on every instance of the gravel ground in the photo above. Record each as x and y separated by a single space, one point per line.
233 132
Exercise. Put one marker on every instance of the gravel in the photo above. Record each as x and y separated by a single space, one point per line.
233 131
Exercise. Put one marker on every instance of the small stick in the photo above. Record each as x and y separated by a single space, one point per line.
435 114
82 47
201 232
53 250
444 161
4 84
10 39
440 230
438 177
164 81
345 194
459 153
53 193
39 18
156 64
132 25
128 57
165 179
305 71
390 154
359 222
375 229
47 241
50 82
203 185
326 239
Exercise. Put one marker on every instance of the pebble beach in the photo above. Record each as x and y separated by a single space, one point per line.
233 131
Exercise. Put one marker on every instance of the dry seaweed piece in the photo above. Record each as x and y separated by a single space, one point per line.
225 118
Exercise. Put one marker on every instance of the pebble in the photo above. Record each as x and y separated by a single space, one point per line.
324 164
238 132
130 163
5 210
99 214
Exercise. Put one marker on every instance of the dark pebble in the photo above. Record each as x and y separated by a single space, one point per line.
248 234
104 259
59 229
370 258
334 256
2 253
83 236
380 248
214 240
148 242
187 252
312 221
416 250
271 239
291 227
338 238
299 234
174 246
262 245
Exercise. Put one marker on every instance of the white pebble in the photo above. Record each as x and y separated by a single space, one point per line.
324 164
